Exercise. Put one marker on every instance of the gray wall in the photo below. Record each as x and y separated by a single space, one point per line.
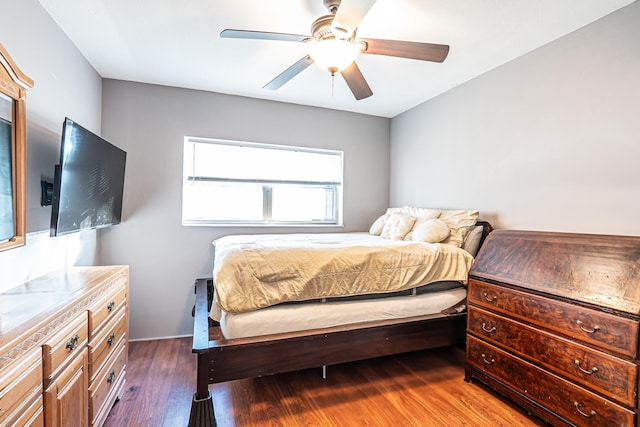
65 85
150 122
549 141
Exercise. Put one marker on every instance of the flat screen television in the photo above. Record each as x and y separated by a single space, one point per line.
88 183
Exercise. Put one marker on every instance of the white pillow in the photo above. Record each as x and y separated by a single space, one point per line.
422 215
397 226
378 225
431 231
420 212
460 222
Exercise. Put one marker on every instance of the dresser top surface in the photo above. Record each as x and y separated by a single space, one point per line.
29 305
598 270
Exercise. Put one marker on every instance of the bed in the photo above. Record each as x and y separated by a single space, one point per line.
226 352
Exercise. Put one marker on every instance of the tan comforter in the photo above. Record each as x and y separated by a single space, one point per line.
256 271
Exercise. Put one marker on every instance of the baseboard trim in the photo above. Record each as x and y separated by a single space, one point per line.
160 338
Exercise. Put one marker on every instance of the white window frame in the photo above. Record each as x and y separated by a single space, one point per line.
334 203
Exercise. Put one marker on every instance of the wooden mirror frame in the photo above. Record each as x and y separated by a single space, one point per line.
14 84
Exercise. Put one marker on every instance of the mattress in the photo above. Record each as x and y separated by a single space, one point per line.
291 317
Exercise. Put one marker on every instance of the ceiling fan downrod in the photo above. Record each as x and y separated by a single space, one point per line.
331 5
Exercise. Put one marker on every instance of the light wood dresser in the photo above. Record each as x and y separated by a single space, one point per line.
553 325
63 347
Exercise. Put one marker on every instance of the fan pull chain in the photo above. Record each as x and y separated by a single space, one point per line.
333 71
333 81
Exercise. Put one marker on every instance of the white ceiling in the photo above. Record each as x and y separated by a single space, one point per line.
177 43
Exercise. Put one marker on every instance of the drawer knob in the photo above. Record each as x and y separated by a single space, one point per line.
488 362
589 331
488 330
584 414
111 305
486 297
111 377
113 335
73 343
586 371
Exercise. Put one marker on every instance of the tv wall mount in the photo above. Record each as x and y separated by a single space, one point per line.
47 193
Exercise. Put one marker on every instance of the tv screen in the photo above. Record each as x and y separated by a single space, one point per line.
88 183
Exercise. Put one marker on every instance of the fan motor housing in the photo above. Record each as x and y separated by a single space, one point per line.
321 29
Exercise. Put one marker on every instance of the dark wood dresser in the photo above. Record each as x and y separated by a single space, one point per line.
553 324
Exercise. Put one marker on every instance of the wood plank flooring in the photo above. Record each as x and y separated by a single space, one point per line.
424 388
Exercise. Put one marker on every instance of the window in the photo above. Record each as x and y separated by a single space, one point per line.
246 183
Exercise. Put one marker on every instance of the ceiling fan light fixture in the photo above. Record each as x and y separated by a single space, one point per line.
334 54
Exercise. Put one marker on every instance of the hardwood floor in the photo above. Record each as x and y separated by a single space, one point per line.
418 389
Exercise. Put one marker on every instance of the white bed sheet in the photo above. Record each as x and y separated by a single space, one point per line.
299 317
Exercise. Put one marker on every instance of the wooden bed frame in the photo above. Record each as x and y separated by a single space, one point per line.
222 359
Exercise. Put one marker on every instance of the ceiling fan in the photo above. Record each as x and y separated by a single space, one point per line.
334 46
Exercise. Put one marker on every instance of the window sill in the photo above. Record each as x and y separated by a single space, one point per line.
260 225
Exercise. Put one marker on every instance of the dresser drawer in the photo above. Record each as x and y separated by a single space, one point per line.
107 382
101 347
33 416
105 309
568 400
601 372
607 331
20 385
63 346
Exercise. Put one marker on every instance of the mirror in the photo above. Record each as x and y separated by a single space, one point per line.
7 222
13 86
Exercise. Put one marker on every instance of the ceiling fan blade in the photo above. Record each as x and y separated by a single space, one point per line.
262 35
350 13
404 49
356 82
289 73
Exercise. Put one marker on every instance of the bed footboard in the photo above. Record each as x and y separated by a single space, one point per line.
222 360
